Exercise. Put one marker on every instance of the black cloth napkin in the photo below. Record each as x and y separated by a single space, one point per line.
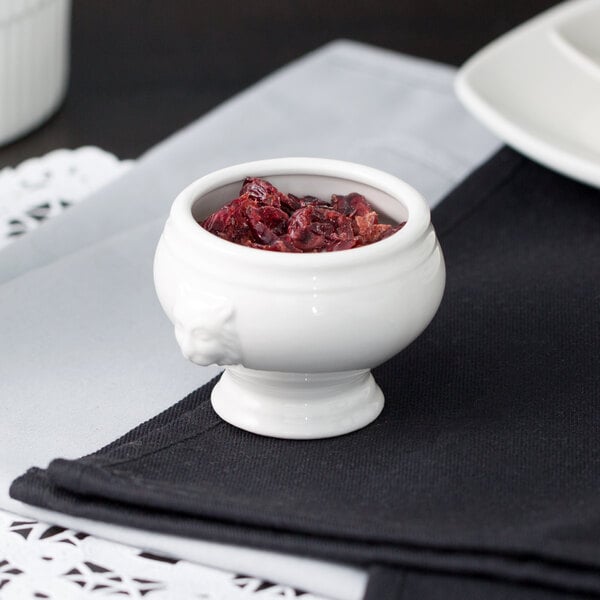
481 478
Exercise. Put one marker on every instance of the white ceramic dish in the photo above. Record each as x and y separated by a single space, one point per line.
538 89
34 62
299 333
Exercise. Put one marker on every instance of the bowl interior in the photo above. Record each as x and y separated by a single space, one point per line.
390 209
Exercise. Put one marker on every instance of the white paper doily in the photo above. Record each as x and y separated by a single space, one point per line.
38 560
41 188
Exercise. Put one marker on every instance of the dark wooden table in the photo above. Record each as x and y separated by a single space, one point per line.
141 69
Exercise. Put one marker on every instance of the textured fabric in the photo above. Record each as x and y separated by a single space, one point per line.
484 463
410 584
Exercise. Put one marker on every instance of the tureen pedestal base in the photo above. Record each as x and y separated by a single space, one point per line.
297 405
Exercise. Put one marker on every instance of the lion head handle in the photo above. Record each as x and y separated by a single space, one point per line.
204 329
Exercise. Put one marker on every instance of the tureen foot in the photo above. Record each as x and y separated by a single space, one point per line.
297 405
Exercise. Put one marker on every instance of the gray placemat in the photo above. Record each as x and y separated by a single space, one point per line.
78 303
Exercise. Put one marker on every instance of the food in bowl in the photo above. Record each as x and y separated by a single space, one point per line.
264 217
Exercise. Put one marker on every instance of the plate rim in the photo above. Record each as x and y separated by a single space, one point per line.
508 130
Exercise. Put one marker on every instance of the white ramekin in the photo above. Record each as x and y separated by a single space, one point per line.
34 61
299 331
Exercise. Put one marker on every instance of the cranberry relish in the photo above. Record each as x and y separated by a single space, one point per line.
263 217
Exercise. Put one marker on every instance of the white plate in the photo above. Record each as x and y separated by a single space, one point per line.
538 88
